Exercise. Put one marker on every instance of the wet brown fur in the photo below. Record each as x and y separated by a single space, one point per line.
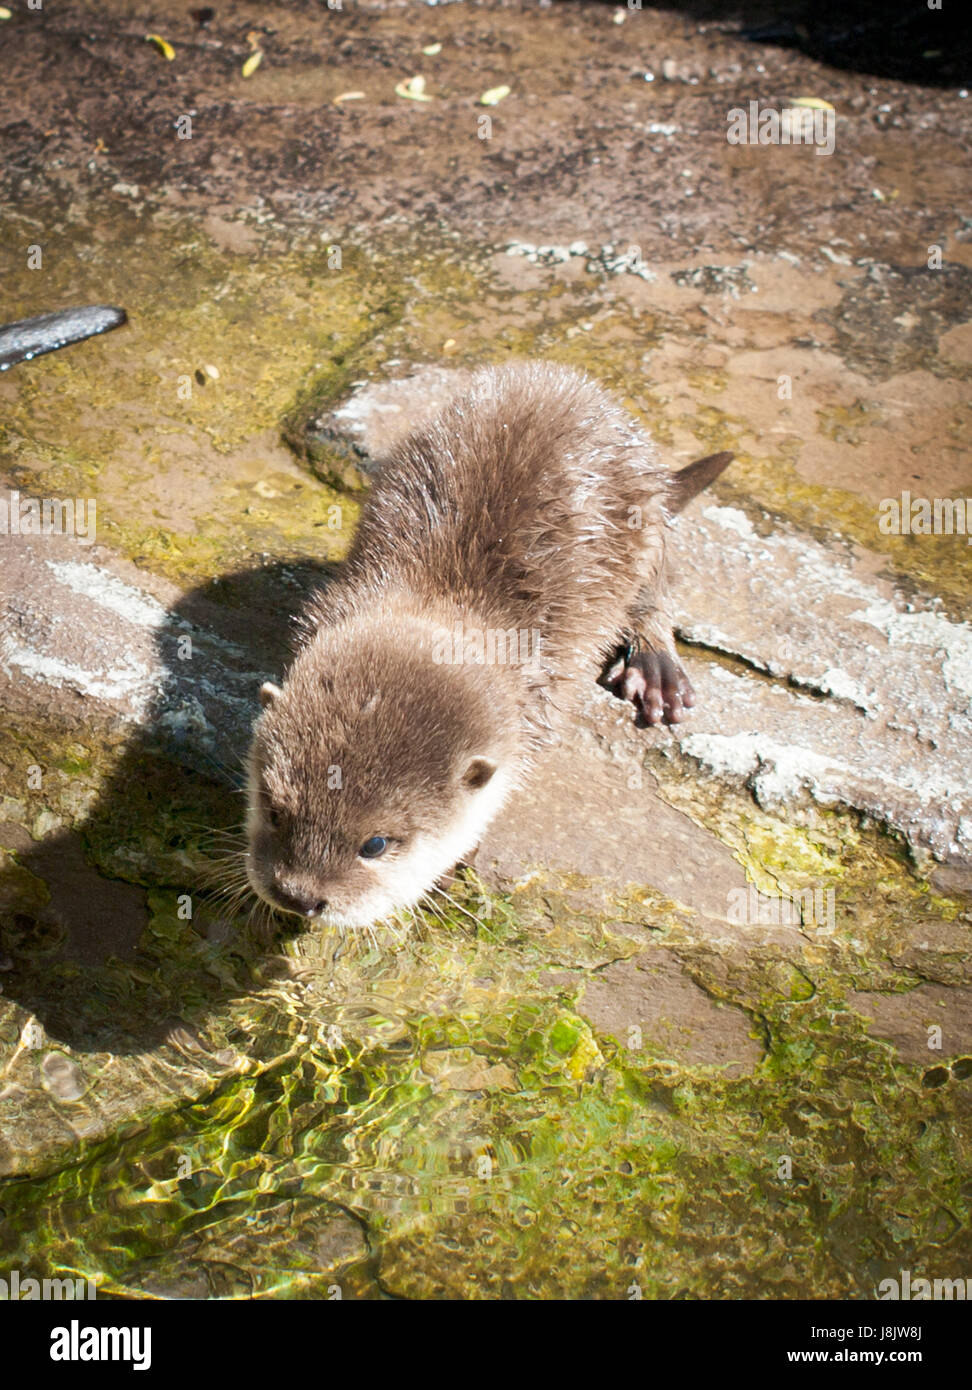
531 502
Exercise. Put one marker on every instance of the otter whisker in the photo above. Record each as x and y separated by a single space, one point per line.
458 906
429 902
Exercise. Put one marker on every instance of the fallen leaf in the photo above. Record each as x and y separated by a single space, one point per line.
431 49
349 96
252 63
5 13
814 103
414 89
166 49
494 96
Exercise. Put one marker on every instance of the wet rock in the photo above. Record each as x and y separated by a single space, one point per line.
887 678
359 432
593 810
717 279
288 1250
649 1004
62 1077
340 1242
462 1070
83 639
928 1023
95 917
894 320
937 951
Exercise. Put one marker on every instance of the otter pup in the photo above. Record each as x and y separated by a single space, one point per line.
507 549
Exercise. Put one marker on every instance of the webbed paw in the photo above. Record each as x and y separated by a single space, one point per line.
653 681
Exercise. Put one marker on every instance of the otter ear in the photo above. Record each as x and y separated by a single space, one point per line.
478 773
268 693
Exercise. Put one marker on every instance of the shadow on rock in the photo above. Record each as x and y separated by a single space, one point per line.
112 934
910 43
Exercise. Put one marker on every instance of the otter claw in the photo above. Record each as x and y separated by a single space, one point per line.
655 684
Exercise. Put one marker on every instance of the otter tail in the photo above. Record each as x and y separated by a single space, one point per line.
689 482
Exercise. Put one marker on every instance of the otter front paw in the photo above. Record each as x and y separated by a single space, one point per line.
653 681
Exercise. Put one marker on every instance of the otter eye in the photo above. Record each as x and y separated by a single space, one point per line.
373 847
273 817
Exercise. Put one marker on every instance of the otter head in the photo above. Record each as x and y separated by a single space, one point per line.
372 771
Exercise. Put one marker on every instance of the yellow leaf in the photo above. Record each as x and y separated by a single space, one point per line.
814 103
166 49
349 96
5 13
414 89
252 63
494 96
431 49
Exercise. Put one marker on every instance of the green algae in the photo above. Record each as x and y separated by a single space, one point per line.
113 423
814 1173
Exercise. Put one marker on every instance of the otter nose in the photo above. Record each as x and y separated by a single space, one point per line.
297 897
